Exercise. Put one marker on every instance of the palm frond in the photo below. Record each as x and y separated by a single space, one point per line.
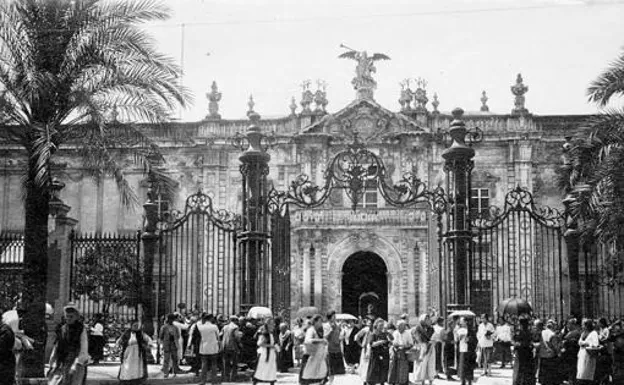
608 84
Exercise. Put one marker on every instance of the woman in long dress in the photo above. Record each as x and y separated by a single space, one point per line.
524 370
298 337
379 354
266 368
467 338
399 365
68 362
361 338
285 356
134 351
549 365
425 367
586 363
314 369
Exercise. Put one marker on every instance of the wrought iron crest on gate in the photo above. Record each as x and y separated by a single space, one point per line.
354 169
200 203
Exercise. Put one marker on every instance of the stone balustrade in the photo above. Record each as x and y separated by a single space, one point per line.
347 217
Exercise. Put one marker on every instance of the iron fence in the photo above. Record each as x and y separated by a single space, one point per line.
602 280
11 268
106 277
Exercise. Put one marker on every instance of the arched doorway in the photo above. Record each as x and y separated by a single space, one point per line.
365 285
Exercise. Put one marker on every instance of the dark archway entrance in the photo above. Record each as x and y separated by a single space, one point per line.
365 285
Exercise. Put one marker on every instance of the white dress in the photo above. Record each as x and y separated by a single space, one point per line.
266 369
586 364
364 359
132 366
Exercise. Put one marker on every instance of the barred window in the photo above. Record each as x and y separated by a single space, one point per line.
369 198
479 201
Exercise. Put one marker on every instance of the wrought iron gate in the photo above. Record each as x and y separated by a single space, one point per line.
280 259
517 252
198 266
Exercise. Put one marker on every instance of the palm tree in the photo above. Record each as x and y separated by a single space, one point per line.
594 174
65 67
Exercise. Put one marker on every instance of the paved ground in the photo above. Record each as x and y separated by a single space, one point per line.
107 375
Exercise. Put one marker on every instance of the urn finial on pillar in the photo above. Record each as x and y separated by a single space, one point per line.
484 99
519 89
251 114
214 97
435 103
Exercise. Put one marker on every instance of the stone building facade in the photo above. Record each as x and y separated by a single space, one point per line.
374 259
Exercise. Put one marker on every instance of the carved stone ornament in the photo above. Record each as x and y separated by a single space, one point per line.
363 82
519 89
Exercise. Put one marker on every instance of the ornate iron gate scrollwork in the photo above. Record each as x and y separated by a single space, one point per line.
351 170
517 251
198 265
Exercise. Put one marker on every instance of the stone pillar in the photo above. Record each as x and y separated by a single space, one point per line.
60 227
306 276
572 240
458 166
254 235
149 238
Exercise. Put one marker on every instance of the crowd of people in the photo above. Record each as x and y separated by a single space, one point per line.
322 347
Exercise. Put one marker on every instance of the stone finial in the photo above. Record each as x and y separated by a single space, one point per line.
519 89
435 103
251 114
320 97
406 96
484 99
214 97
293 106
307 98
420 95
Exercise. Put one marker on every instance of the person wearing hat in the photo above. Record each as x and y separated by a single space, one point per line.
70 353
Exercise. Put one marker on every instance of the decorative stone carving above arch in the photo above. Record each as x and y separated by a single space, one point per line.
370 241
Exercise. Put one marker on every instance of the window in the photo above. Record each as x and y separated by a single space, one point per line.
369 198
163 204
479 201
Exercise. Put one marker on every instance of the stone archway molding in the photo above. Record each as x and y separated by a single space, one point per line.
365 241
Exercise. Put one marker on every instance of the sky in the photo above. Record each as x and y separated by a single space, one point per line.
267 48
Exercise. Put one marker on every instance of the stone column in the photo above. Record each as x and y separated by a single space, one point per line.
60 227
458 166
572 241
149 238
254 235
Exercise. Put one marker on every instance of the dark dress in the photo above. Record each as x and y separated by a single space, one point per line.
524 368
7 357
569 355
351 348
468 360
549 362
285 356
379 359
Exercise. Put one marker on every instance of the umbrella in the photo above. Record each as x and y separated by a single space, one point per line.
345 317
515 306
49 309
462 313
259 312
307 311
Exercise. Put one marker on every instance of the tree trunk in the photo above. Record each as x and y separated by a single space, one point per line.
35 274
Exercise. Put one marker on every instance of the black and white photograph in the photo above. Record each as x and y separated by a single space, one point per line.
312 192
